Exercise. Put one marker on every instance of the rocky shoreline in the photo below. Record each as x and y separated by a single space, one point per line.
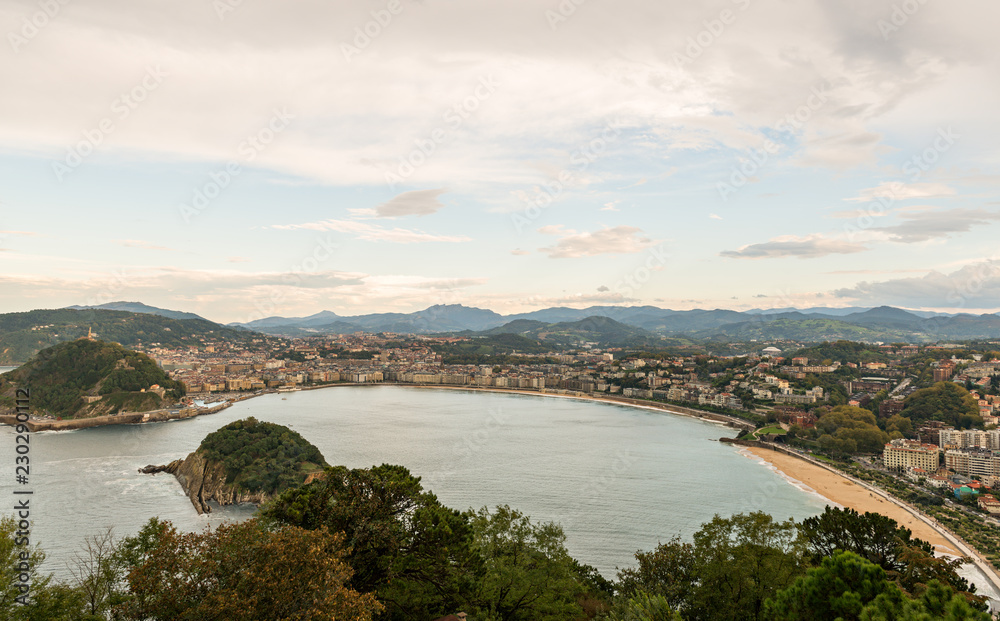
131 418
204 481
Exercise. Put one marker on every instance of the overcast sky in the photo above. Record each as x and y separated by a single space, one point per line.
242 158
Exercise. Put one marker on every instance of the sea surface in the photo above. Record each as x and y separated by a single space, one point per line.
618 478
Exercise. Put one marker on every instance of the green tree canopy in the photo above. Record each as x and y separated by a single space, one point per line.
529 574
241 572
414 552
944 401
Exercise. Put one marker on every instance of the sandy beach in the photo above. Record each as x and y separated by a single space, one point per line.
846 493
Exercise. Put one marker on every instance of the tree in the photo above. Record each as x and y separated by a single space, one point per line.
98 573
908 561
847 429
937 603
641 607
667 571
403 544
741 562
733 566
899 423
529 574
240 572
838 589
944 401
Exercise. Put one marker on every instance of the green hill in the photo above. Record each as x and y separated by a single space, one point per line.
64 377
22 335
261 457
944 401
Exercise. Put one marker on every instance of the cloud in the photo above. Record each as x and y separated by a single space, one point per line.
413 203
519 252
603 288
808 247
920 226
898 191
244 296
974 286
22 233
372 232
617 240
611 206
396 97
715 216
237 260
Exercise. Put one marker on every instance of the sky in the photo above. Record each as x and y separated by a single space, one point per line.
246 158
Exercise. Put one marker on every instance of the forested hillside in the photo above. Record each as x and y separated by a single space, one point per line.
59 378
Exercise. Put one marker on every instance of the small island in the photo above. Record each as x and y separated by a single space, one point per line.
245 461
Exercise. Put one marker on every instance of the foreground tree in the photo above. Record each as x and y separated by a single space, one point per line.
529 574
908 561
641 606
734 565
667 571
403 544
838 589
240 572
847 587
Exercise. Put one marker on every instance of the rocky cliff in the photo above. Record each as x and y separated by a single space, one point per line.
204 480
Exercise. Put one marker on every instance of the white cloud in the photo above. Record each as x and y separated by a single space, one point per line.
414 203
895 190
924 225
356 118
617 240
974 286
808 247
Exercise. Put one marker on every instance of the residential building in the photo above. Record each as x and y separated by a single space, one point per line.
902 454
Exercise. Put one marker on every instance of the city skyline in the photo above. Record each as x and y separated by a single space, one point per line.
239 160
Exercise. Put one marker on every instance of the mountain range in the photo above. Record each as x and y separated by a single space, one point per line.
883 323
635 323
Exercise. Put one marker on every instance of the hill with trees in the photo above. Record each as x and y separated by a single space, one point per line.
245 461
84 378
22 335
944 401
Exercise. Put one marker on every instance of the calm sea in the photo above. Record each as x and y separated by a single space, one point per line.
617 478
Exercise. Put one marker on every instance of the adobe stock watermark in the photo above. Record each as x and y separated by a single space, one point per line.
453 119
900 15
32 25
322 252
121 108
370 30
598 487
656 259
469 446
225 7
579 161
705 38
792 122
913 169
248 150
